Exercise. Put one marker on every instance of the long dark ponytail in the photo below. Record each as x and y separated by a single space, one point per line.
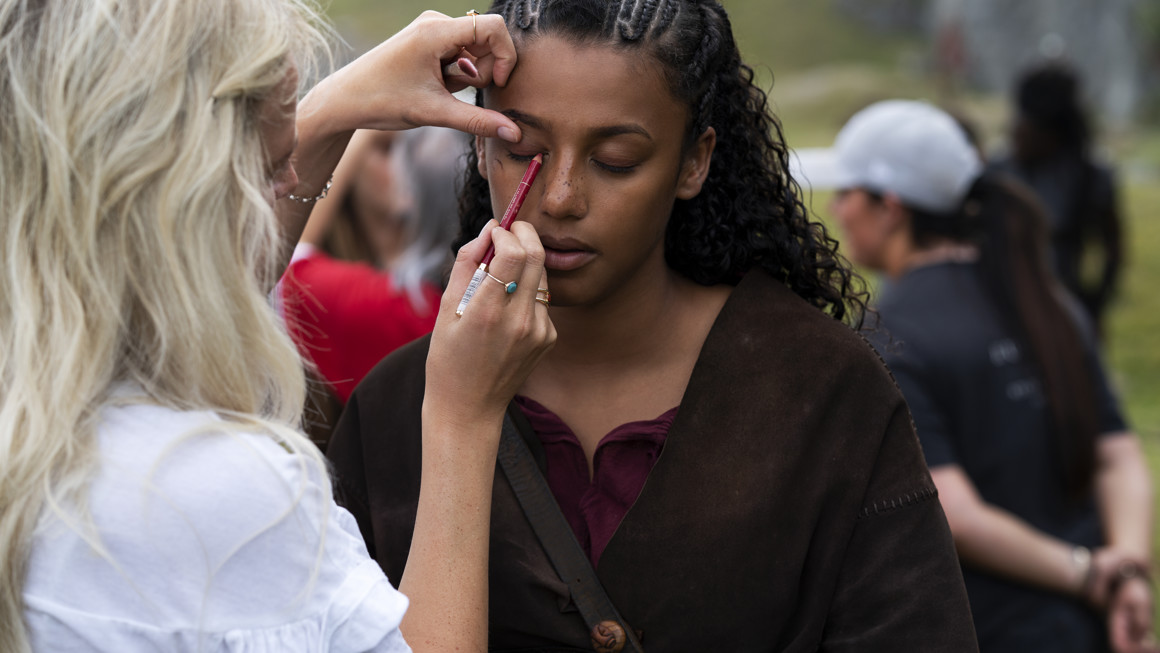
1008 223
750 212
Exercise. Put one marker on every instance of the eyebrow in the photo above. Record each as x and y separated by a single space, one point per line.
607 131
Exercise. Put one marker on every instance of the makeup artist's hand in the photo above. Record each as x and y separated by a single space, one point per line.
474 366
407 80
404 82
479 360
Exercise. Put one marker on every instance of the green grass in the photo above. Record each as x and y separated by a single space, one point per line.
366 22
1134 329
812 37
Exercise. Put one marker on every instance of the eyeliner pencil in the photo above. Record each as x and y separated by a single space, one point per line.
509 216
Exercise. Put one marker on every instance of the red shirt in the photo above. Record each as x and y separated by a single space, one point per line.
624 457
345 317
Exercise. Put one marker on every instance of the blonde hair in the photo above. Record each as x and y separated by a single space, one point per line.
136 238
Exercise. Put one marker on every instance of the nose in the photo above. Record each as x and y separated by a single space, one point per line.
285 182
564 195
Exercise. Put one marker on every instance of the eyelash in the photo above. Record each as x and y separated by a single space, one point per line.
616 170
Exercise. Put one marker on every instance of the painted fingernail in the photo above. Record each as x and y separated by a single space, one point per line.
509 134
468 68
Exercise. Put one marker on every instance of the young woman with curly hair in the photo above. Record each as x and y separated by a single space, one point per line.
733 459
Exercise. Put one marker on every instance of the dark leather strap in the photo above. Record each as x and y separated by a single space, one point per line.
555 534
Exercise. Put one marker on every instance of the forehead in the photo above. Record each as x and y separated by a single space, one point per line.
574 85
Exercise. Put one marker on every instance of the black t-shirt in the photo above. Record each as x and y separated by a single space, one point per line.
977 403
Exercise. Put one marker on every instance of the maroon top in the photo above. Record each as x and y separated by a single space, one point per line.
624 457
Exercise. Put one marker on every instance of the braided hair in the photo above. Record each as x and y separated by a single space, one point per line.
749 212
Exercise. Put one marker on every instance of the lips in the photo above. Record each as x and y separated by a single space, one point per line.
563 254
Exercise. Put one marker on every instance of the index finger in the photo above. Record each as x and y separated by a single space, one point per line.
491 37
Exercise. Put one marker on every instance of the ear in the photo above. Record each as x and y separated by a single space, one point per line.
895 215
481 155
695 168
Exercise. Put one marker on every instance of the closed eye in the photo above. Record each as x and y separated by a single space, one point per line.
617 170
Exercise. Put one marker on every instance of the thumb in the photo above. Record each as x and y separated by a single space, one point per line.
457 114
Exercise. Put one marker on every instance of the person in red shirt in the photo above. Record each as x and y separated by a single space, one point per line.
347 315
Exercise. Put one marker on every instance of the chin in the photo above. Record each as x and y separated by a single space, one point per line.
569 290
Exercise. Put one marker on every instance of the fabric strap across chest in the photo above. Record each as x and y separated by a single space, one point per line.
555 534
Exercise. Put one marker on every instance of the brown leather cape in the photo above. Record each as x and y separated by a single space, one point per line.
790 510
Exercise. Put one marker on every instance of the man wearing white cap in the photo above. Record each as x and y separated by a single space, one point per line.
1044 486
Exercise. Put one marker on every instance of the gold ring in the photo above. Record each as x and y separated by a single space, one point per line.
546 301
474 34
547 295
508 286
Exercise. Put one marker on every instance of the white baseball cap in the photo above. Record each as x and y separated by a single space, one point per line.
908 148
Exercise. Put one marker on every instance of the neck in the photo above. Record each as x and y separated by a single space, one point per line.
629 327
628 356
943 252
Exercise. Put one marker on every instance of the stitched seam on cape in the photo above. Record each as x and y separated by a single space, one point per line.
879 508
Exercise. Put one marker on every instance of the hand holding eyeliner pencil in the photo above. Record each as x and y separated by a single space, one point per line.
509 217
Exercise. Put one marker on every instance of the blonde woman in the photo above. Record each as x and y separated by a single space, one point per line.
155 493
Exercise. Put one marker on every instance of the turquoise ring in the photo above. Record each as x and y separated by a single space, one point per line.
508 286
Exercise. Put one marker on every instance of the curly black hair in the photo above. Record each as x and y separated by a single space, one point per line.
749 212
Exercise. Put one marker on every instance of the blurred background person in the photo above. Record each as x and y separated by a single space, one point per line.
1051 151
400 190
1045 488
360 226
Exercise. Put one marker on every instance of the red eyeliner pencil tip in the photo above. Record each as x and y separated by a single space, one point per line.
521 193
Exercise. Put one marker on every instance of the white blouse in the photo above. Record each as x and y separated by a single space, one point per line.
208 541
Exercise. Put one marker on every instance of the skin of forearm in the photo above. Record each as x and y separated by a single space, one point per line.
998 542
446 573
325 213
1124 495
322 140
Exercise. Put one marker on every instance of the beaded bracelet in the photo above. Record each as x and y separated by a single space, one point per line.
1128 570
320 196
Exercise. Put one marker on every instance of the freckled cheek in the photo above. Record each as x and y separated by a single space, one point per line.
499 185
498 204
